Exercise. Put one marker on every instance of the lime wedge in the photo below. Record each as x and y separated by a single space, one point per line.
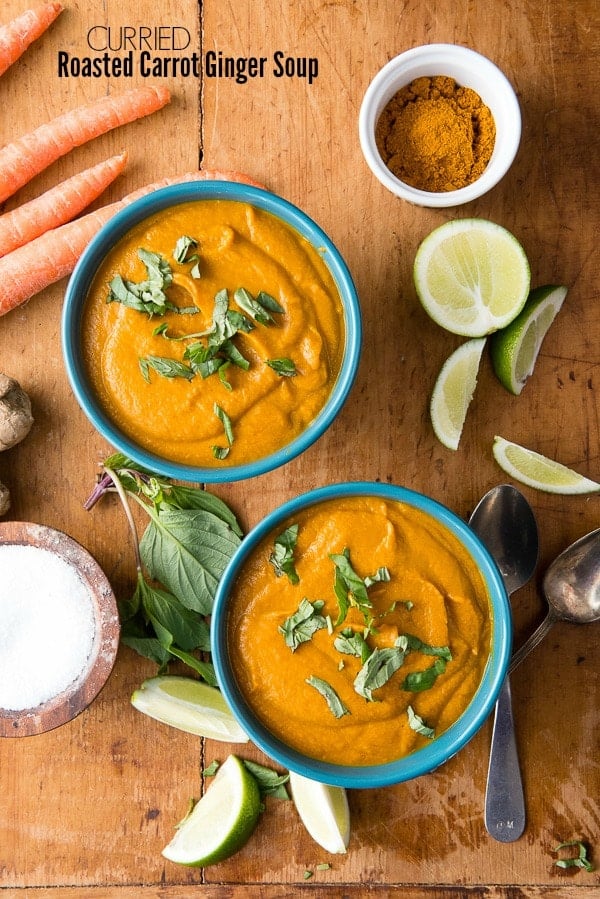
471 276
324 812
221 822
189 705
538 471
515 349
453 392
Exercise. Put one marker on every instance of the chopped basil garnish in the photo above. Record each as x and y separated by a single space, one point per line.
282 555
417 681
377 670
352 643
335 704
581 860
351 590
168 368
181 252
284 367
270 782
417 645
418 725
260 307
221 452
300 627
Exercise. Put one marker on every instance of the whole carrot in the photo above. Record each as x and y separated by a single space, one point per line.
25 157
58 205
53 256
18 34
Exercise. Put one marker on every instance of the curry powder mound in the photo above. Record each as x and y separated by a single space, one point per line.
436 135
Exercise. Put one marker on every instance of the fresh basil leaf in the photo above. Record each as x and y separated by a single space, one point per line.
579 861
306 621
147 647
352 643
178 496
188 630
417 681
220 452
334 703
377 670
270 783
225 421
417 723
252 307
265 300
414 644
182 247
382 575
187 551
204 669
163 365
211 769
352 582
285 367
282 555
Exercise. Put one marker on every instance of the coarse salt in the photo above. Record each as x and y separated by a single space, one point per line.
47 626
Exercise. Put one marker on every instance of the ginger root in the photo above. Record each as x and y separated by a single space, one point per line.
15 413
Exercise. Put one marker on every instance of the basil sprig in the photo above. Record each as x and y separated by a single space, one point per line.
189 539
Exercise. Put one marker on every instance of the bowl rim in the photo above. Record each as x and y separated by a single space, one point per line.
448 743
113 230
384 85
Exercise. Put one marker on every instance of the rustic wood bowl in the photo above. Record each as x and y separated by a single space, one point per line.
78 695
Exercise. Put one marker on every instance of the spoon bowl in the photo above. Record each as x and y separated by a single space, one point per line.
572 589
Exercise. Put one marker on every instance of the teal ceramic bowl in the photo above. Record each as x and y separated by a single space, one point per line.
440 749
82 278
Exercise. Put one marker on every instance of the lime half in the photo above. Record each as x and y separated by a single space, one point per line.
324 812
514 350
453 392
538 471
221 822
189 705
472 276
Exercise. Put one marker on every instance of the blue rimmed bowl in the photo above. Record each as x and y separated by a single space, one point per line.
115 229
444 746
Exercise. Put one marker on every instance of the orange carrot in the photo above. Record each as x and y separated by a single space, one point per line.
58 205
17 35
53 256
25 157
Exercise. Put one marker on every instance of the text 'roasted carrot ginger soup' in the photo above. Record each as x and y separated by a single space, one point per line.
359 630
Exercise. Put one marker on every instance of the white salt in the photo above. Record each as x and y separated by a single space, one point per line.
47 626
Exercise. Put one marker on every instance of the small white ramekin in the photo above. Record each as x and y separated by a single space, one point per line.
469 69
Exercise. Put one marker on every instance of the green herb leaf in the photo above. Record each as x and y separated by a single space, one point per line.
270 783
211 769
581 860
253 307
414 644
265 300
282 555
335 704
187 550
352 643
285 367
377 670
145 296
417 681
417 723
168 368
182 248
300 627
351 590
187 629
225 421
220 452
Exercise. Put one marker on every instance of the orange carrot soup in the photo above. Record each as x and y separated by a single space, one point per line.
359 631
213 333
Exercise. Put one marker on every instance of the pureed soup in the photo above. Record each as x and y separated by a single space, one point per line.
213 333
359 630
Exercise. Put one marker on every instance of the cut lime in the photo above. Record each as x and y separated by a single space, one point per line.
190 705
324 812
453 392
471 276
538 471
221 822
515 349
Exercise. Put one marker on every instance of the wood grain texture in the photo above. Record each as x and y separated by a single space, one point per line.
85 810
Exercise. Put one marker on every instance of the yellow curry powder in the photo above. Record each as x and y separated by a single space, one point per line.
436 135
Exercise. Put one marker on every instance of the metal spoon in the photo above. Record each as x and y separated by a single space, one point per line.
572 588
505 522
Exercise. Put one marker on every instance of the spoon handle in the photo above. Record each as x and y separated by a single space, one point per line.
504 799
536 637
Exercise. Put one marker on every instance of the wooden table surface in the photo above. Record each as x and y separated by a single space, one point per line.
86 809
